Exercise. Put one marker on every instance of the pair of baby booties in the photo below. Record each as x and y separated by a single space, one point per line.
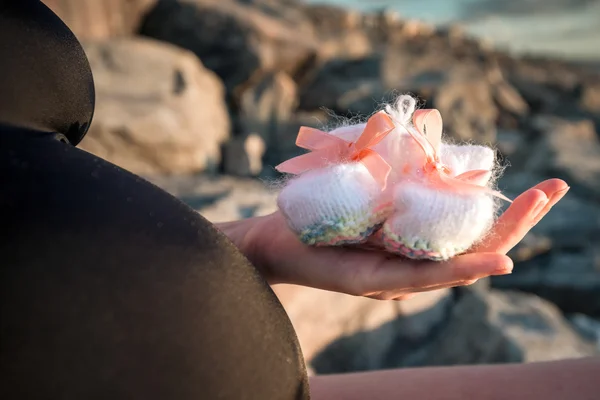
390 183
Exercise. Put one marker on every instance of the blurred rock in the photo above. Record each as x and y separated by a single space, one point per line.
587 327
237 40
351 45
267 110
359 86
539 97
221 198
568 150
467 105
332 20
283 146
571 280
418 28
531 246
511 144
590 99
480 328
509 99
320 317
255 150
341 32
101 19
346 86
550 86
242 156
158 110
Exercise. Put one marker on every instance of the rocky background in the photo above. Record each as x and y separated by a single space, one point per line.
204 97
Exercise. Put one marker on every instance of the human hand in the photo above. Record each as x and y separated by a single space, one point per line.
276 251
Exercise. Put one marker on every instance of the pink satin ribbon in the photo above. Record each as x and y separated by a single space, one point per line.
327 149
428 124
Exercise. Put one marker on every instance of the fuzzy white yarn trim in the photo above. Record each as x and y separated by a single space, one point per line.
442 219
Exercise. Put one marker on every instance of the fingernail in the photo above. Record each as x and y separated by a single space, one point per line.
540 206
540 213
503 271
560 194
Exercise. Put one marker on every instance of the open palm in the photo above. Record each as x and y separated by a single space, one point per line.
284 259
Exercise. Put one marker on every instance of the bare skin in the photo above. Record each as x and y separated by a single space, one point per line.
269 244
278 254
282 258
556 380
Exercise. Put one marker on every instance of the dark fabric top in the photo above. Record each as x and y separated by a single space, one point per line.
45 79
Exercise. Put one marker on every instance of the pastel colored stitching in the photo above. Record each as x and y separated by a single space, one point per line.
343 231
416 249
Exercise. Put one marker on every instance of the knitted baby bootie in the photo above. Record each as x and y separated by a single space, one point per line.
434 224
442 202
336 197
333 206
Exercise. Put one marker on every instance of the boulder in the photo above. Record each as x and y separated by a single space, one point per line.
242 156
466 102
549 86
568 150
220 198
478 328
320 318
330 20
95 19
590 98
586 326
267 110
283 142
571 280
341 32
461 92
346 86
158 110
240 41
509 99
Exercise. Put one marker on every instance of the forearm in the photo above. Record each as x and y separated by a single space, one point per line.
557 380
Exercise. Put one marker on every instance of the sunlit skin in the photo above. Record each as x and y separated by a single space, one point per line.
276 251
282 258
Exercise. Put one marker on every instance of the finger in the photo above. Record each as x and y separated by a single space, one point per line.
410 276
551 186
408 296
400 295
450 285
387 296
554 199
514 224
526 211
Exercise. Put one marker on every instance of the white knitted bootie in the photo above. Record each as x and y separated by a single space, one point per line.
337 199
434 219
333 206
434 224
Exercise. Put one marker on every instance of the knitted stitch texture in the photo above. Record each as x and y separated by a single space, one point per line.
428 222
337 205
342 203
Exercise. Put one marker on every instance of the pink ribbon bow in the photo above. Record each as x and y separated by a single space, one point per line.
328 149
428 124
